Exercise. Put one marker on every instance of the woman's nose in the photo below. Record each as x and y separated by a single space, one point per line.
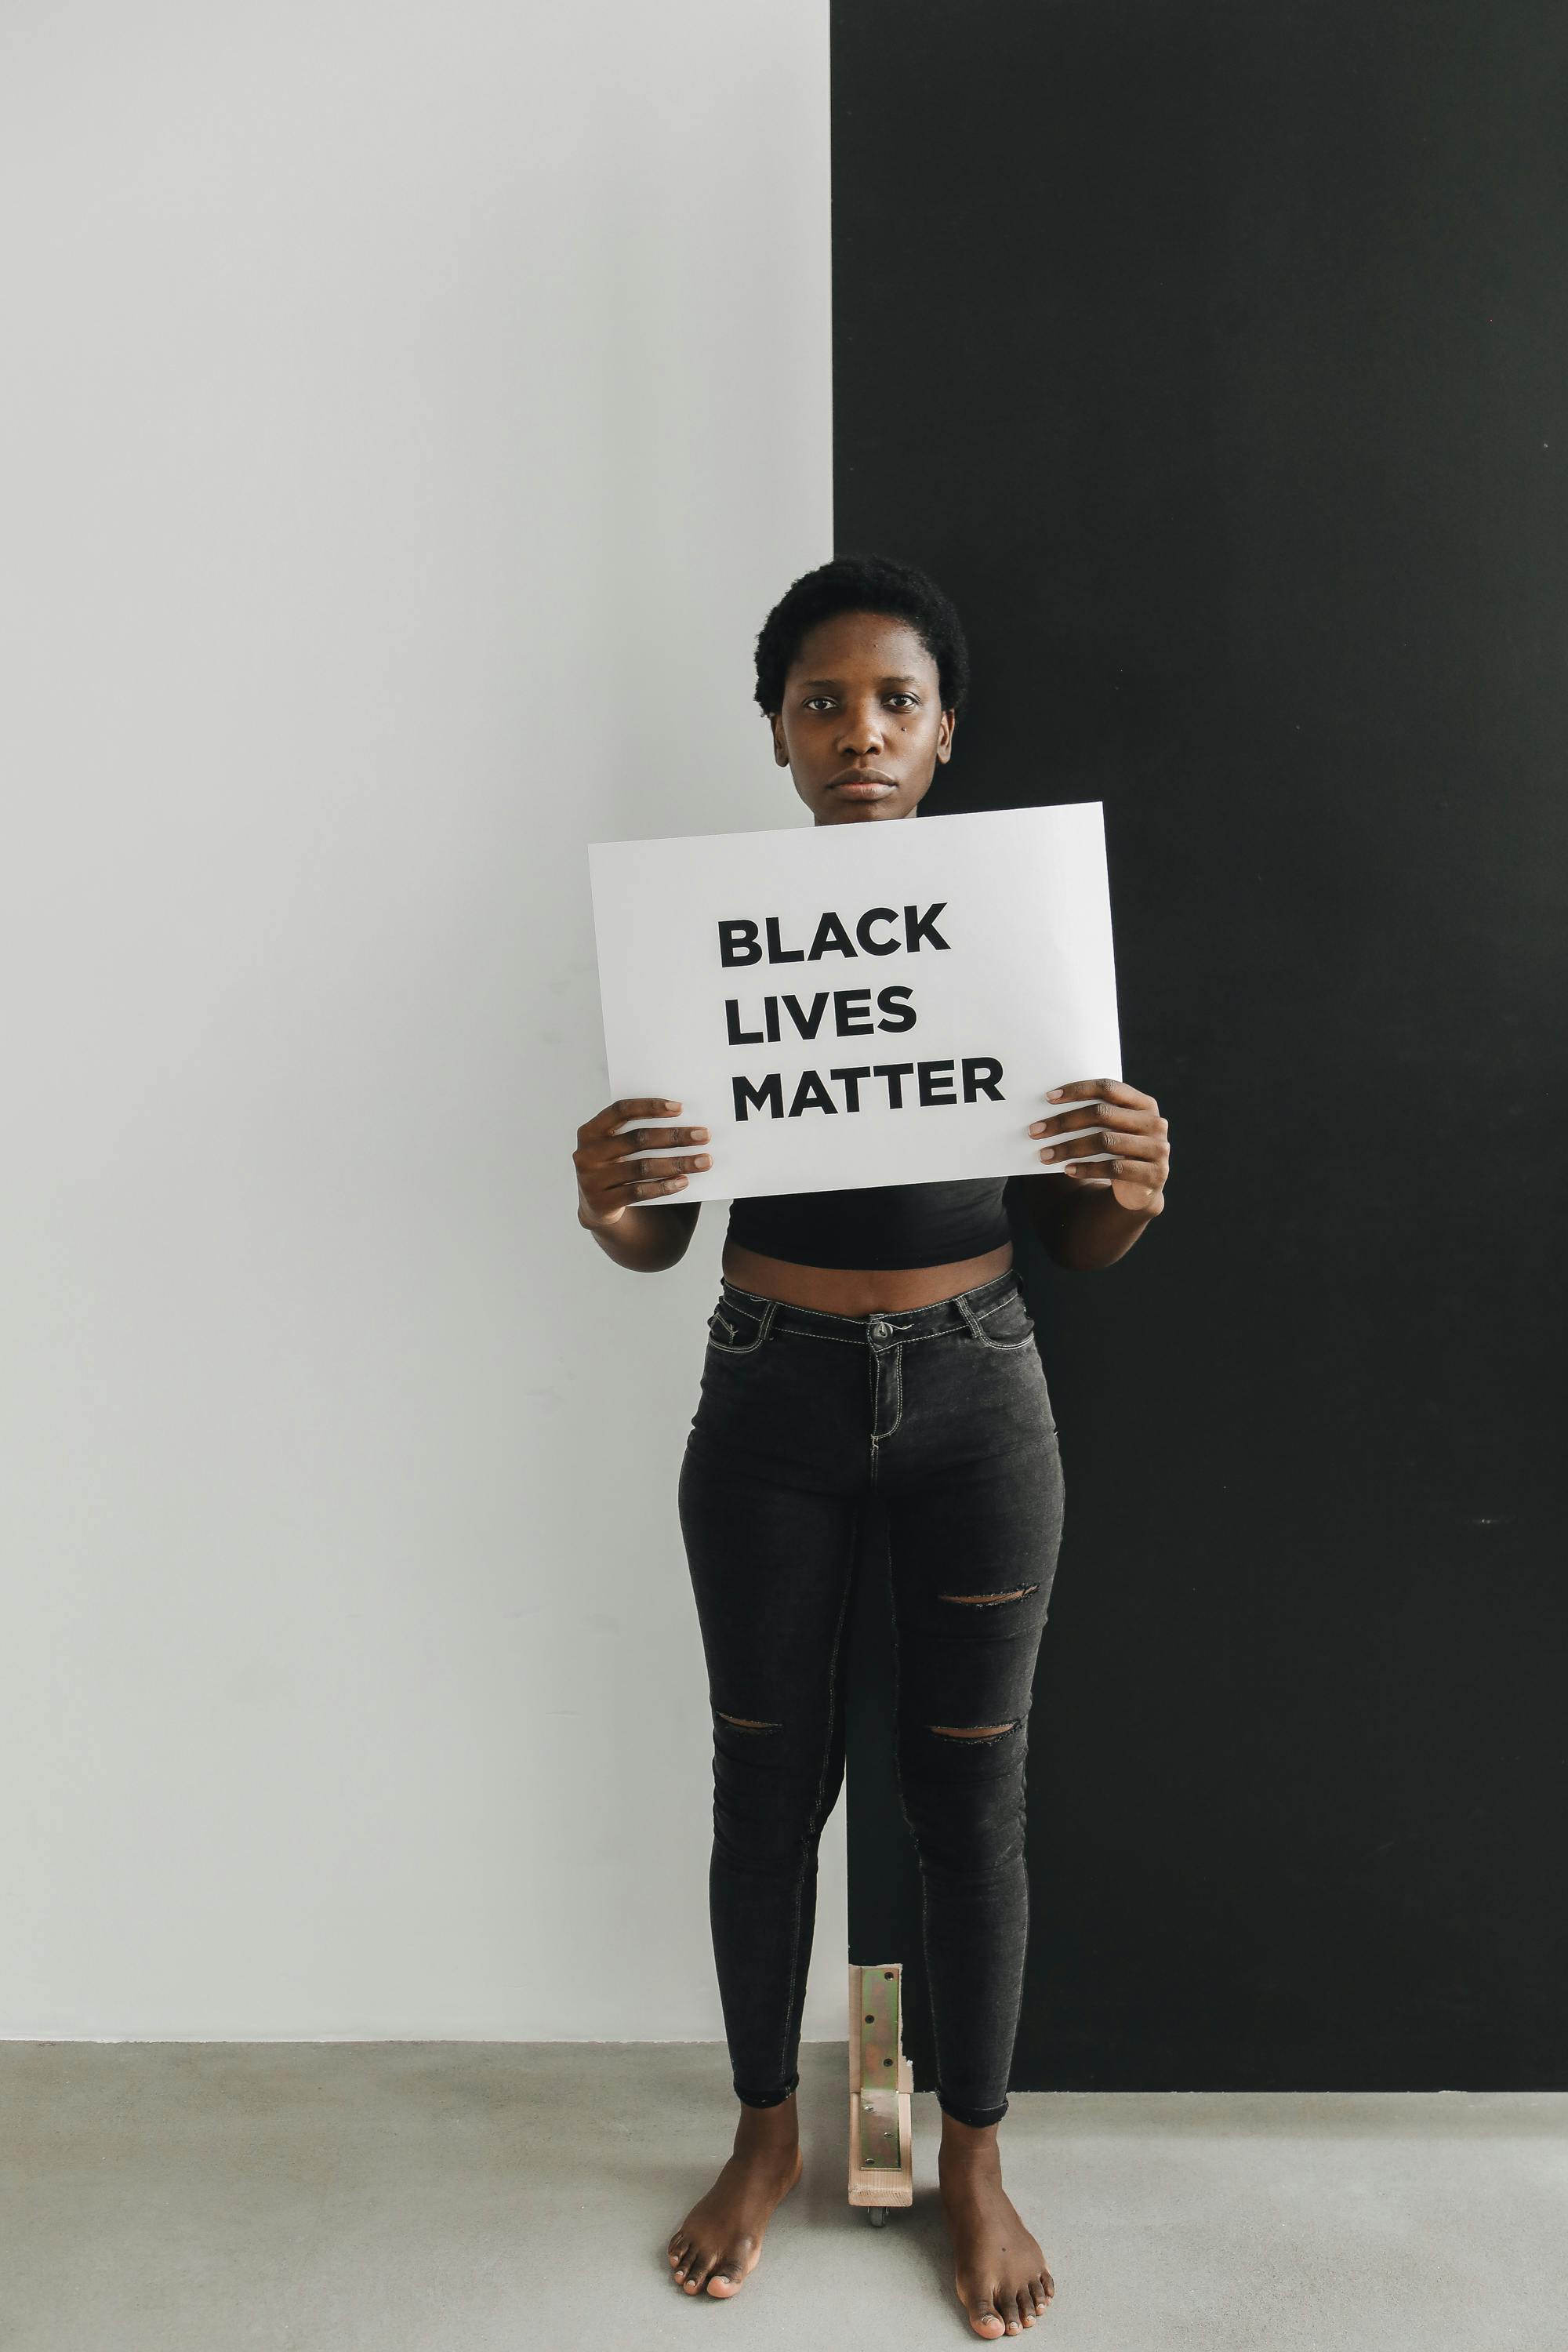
861 732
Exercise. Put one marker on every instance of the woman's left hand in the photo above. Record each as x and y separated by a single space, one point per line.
1130 1124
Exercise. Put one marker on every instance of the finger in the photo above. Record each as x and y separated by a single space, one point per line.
1132 1141
1074 1148
631 1107
1114 1090
608 1151
646 1139
1065 1122
644 1143
657 1138
641 1188
1136 1147
669 1166
1075 1142
1064 1141
1137 1159
1125 1115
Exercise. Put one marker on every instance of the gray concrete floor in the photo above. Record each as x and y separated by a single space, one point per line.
403 2197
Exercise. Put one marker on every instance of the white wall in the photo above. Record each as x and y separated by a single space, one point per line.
410 413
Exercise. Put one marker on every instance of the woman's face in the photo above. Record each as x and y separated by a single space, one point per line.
861 699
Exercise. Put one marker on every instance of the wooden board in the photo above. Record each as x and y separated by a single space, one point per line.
881 2079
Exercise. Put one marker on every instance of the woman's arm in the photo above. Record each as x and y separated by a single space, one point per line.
1085 1222
612 1182
1077 1220
647 1239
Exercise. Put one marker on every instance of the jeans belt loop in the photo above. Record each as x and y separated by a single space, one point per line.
969 1316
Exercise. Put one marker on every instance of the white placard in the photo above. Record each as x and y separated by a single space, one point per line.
869 1004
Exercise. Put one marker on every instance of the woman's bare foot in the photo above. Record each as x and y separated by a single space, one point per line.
998 2268
718 2243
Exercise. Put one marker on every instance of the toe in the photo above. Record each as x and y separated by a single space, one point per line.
1007 2305
724 2280
698 2265
986 2320
676 2248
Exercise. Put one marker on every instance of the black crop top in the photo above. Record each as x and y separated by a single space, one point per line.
879 1226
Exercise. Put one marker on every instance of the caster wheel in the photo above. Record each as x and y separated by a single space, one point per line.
877 2215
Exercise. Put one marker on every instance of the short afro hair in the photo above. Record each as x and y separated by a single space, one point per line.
863 583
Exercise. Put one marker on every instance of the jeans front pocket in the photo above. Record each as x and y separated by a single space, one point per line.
738 1327
1007 1325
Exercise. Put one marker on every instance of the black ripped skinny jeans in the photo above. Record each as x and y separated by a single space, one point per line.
943 1411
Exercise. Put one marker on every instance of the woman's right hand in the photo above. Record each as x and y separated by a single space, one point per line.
609 1180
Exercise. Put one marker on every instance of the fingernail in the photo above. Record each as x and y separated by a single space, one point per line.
1053 1094
1038 1128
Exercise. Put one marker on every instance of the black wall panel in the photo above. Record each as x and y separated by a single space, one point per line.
1214 357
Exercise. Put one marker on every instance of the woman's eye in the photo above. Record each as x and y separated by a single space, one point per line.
813 701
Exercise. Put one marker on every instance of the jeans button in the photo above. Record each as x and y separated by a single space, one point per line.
880 1330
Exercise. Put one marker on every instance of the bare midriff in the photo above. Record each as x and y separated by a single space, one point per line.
859 1290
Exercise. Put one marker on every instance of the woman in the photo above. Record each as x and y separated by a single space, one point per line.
873 1338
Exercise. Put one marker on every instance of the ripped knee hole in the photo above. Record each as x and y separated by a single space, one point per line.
745 1723
986 1599
980 1731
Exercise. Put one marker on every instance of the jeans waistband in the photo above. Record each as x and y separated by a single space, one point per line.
886 1324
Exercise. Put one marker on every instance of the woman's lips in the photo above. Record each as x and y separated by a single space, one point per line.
865 788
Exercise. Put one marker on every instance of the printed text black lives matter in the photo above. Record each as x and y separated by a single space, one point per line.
844 1012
